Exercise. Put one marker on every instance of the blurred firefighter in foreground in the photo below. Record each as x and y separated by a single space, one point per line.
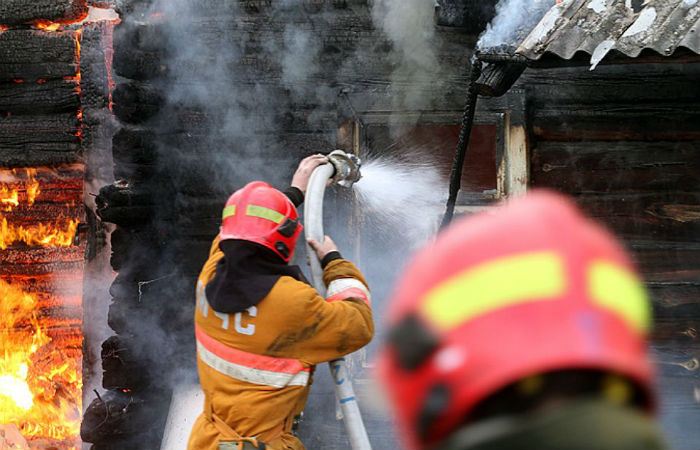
521 329
261 328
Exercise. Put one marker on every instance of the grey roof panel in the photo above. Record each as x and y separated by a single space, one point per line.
598 27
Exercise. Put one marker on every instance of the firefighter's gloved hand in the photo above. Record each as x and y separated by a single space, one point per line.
307 165
324 248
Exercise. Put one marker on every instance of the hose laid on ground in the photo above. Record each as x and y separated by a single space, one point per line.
313 221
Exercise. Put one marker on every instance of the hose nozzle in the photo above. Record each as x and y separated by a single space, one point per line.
347 168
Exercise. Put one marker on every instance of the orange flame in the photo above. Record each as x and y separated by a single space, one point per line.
40 361
41 403
9 198
10 195
48 26
59 234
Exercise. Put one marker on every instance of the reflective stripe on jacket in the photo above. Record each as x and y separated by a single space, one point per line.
255 367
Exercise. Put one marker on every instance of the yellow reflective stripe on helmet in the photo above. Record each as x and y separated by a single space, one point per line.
494 285
617 289
264 213
228 211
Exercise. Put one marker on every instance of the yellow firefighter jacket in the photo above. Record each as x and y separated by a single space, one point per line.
255 367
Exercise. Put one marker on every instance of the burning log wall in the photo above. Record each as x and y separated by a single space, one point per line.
41 190
45 160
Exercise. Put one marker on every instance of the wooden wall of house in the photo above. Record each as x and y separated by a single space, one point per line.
625 142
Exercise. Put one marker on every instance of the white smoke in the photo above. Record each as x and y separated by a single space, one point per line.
409 26
300 55
513 22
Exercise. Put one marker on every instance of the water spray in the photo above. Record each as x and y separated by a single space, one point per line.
343 170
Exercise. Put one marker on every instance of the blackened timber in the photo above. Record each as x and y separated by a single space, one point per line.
616 166
116 415
123 364
133 252
15 12
96 45
646 215
124 205
140 51
32 55
134 145
669 264
610 87
136 102
39 140
50 97
139 65
566 125
149 37
674 302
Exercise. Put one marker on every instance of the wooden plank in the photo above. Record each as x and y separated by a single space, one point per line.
32 55
51 97
515 166
665 216
38 140
668 265
620 166
610 87
15 12
567 124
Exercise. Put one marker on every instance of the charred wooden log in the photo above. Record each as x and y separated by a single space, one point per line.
116 416
96 42
134 145
123 205
471 15
15 12
133 8
32 55
39 140
136 102
49 97
124 364
139 65
134 153
140 51
497 78
134 251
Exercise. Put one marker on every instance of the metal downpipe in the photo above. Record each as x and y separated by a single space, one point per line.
345 394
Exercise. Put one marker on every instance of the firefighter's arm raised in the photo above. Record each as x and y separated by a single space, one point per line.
341 323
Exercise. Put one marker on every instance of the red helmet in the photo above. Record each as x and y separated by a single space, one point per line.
260 213
532 288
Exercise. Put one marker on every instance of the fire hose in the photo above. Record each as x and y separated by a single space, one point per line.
344 170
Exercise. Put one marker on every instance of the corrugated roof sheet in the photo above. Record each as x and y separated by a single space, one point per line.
598 27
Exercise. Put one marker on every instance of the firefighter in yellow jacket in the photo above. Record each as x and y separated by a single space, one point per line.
261 328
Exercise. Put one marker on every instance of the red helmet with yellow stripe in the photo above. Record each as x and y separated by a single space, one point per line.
530 289
262 214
